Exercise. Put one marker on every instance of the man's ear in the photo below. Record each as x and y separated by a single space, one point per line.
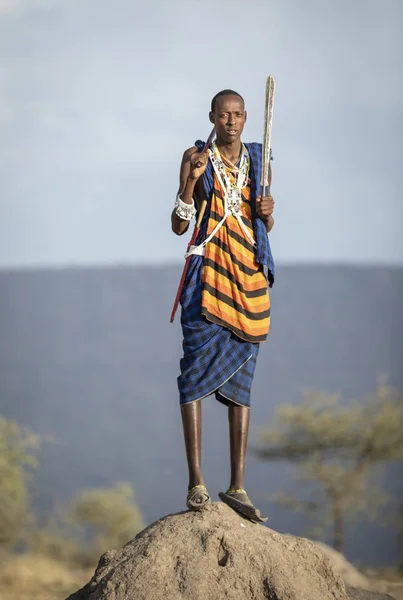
211 117
246 116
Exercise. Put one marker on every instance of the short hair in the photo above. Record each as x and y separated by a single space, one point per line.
224 93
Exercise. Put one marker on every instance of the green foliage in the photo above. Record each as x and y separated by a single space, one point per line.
16 465
96 521
368 431
338 449
109 515
56 543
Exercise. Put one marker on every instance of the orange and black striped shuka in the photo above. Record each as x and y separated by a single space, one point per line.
235 291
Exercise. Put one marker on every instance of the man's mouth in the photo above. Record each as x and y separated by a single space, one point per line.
232 131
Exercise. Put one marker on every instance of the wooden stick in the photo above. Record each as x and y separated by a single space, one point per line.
268 119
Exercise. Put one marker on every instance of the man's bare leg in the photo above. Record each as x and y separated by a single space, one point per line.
238 417
192 429
235 496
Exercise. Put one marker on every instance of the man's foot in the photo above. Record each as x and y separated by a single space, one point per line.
239 501
197 497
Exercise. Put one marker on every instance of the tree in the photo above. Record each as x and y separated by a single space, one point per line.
16 465
97 520
109 515
337 448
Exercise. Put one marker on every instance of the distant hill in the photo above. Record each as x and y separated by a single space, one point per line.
88 356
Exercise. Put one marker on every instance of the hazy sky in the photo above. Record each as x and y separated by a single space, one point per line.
99 98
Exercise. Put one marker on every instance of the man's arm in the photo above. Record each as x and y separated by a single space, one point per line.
187 184
269 224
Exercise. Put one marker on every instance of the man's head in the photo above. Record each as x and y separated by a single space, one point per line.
228 115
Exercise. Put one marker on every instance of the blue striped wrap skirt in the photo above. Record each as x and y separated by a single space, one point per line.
215 360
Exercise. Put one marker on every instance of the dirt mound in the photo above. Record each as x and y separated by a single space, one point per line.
211 555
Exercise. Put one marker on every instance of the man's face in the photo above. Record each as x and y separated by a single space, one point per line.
229 118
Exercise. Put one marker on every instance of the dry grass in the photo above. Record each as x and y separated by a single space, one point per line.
36 577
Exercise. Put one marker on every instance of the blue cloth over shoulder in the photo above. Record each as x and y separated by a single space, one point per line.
215 360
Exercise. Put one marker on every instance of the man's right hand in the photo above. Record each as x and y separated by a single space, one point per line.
198 164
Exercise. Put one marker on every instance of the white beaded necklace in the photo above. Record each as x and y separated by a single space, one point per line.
232 195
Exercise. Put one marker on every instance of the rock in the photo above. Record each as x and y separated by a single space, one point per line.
212 555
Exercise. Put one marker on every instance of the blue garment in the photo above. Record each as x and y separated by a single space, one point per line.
215 360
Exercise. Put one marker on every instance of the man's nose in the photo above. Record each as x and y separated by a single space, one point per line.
231 119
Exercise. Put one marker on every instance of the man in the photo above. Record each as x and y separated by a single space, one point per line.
225 300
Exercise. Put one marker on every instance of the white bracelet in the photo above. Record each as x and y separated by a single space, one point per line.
183 210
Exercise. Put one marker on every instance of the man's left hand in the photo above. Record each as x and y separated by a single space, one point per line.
265 207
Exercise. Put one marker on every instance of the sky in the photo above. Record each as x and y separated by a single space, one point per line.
99 99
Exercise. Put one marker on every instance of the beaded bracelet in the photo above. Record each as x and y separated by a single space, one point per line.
183 210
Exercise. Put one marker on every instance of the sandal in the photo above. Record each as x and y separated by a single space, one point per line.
239 501
197 497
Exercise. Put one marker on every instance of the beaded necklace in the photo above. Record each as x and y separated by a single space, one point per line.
232 191
232 194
